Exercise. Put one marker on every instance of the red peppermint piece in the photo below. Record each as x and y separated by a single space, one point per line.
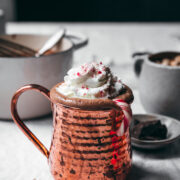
78 74
116 147
101 93
99 72
115 153
113 161
112 132
118 119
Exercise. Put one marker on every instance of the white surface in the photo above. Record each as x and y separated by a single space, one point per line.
20 160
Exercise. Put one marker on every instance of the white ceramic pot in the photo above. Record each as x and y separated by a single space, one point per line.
46 71
159 85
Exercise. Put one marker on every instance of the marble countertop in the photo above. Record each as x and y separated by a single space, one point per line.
20 160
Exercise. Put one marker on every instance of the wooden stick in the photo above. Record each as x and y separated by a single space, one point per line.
14 49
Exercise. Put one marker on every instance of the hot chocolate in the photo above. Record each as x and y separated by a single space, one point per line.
170 62
90 86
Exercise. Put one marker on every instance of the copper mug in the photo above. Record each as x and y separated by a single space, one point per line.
84 142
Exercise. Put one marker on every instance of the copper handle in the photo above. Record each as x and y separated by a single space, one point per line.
20 123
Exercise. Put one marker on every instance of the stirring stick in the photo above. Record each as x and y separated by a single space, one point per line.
51 42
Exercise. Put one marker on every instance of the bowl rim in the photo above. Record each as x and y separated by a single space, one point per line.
155 142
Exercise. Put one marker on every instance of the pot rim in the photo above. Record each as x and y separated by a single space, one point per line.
44 56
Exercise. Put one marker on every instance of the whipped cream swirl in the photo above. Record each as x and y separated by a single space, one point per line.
90 81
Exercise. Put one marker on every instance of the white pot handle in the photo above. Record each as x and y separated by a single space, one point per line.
79 40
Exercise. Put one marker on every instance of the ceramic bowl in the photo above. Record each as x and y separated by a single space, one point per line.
172 125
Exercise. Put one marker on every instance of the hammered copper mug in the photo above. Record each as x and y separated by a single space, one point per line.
84 142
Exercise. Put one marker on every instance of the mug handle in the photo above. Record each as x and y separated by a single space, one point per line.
20 123
79 40
139 58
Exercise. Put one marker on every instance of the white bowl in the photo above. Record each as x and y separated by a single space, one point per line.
173 134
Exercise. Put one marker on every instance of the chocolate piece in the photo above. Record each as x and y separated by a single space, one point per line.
149 130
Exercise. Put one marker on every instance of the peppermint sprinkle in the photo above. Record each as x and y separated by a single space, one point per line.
90 81
101 93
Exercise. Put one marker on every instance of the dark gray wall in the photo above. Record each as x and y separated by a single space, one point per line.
98 10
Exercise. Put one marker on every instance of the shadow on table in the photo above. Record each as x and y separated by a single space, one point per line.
46 120
49 115
139 173
171 151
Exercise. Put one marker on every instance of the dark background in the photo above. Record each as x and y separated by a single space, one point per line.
98 10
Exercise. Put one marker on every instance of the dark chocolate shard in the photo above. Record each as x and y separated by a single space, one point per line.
149 130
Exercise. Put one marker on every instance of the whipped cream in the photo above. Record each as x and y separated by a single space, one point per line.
90 81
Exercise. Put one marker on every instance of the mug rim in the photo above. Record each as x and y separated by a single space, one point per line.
78 108
84 103
160 65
